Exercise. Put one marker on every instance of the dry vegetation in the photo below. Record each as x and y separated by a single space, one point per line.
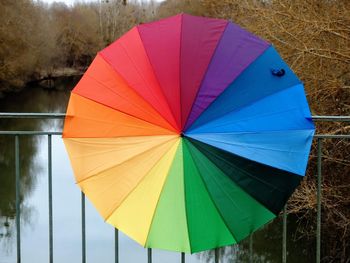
313 36
37 38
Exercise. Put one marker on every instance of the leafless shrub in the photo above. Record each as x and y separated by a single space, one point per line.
314 39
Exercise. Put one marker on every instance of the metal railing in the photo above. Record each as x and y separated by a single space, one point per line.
318 137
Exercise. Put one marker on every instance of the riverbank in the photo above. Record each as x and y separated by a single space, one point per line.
60 72
47 78
44 79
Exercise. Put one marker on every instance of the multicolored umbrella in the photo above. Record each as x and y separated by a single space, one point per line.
188 133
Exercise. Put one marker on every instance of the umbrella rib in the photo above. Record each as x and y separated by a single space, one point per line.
254 147
125 98
223 91
115 111
184 186
157 110
103 190
182 141
242 106
114 125
284 192
243 171
155 75
116 207
128 159
148 85
152 148
184 182
205 73
127 144
181 28
211 198
133 104
239 72
150 226
226 193
259 115
250 175
116 93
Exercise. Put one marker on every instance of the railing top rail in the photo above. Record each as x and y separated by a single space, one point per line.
317 136
331 118
32 133
31 115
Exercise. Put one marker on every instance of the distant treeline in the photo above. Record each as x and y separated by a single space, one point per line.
38 39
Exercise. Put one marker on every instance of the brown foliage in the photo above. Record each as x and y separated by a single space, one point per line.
118 17
174 7
36 37
314 38
77 38
22 41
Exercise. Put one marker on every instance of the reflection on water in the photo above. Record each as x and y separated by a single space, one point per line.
267 244
30 99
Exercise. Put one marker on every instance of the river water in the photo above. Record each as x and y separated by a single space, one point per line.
267 243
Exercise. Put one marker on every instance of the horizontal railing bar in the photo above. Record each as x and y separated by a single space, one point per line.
332 136
323 136
30 115
30 133
331 118
7 115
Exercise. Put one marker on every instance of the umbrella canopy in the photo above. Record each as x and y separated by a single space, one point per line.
188 133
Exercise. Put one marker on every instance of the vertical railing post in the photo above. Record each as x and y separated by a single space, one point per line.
319 195
284 235
251 248
149 255
18 210
183 259
216 255
49 151
83 234
116 246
